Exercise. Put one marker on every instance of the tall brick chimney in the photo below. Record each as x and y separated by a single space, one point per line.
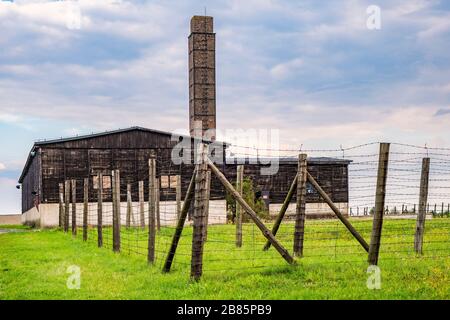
202 77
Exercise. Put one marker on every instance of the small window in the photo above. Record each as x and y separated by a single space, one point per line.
164 182
106 182
173 182
168 182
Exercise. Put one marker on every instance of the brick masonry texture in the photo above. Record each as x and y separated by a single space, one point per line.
202 74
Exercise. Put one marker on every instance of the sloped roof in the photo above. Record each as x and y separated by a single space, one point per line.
41 143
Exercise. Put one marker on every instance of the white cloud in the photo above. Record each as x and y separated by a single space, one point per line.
2 166
282 70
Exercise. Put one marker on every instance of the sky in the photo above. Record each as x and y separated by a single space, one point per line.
311 69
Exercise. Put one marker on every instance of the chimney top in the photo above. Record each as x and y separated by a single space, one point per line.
202 24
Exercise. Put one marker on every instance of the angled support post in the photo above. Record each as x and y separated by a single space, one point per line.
337 212
180 224
266 232
283 209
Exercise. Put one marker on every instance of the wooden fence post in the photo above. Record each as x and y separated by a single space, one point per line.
85 207
423 196
141 204
178 196
61 205
100 211
208 194
157 208
180 224
151 210
283 209
129 206
67 205
198 233
74 207
116 210
377 226
301 206
239 188
266 232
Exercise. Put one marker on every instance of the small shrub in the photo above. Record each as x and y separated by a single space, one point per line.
248 193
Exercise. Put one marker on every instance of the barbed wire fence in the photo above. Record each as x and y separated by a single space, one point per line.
149 218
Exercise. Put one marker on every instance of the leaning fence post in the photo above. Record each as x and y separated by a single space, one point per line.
266 232
85 207
199 212
282 212
74 207
100 211
180 224
61 205
116 210
377 226
141 204
301 206
239 188
129 206
423 196
151 210
67 205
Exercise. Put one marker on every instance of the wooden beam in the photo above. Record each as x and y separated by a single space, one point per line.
157 207
266 232
151 210
74 207
300 215
239 187
423 198
178 196
67 205
85 208
141 205
283 209
129 206
377 226
208 194
199 227
337 212
100 211
116 211
61 205
180 225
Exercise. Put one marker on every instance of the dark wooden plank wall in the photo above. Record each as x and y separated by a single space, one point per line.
129 152
31 182
332 177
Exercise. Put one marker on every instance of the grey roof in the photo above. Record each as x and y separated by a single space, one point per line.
105 133
316 160
94 135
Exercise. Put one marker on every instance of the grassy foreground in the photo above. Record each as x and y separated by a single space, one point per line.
33 265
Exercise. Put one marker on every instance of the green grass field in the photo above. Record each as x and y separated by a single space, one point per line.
33 265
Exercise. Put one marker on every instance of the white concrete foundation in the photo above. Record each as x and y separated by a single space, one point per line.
48 214
317 210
